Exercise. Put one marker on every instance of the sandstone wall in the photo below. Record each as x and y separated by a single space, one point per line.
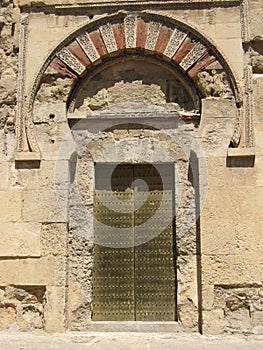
45 271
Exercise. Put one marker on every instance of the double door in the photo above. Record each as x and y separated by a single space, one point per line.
134 274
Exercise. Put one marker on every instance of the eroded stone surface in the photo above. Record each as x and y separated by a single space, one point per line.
22 308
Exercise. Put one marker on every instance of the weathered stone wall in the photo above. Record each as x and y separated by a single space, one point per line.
9 27
45 257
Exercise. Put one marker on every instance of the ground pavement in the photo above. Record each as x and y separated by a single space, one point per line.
127 341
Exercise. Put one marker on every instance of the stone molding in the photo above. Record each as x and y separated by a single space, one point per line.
144 33
145 3
87 4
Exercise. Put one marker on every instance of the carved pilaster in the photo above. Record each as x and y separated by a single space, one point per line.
21 144
249 127
26 145
238 129
245 21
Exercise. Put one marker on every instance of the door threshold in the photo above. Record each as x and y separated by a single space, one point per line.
134 326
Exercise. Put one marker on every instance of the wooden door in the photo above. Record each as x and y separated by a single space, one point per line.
134 276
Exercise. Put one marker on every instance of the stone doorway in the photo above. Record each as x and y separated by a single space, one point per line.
134 275
131 149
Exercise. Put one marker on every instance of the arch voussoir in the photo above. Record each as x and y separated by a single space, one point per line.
134 33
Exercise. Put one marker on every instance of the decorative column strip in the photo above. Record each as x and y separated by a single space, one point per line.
20 120
249 129
245 21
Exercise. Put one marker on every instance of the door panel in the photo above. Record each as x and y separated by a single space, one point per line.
113 273
138 282
155 280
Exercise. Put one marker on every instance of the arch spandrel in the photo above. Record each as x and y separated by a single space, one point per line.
147 35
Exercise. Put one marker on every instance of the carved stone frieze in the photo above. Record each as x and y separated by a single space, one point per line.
193 56
67 57
130 27
108 37
88 47
153 34
175 41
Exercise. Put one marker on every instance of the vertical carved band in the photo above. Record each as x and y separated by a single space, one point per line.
67 57
108 38
174 43
153 35
20 120
88 47
130 28
196 53
249 130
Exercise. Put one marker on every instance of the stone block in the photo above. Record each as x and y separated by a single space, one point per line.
61 271
27 271
207 297
54 239
20 239
255 13
187 279
50 175
55 309
240 176
213 322
217 126
45 206
259 139
4 176
214 168
232 269
10 205
187 291
57 150
258 98
7 146
233 51
49 113
228 30
220 204
7 318
218 237
227 15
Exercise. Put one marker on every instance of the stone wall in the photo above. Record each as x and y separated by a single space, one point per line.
46 248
